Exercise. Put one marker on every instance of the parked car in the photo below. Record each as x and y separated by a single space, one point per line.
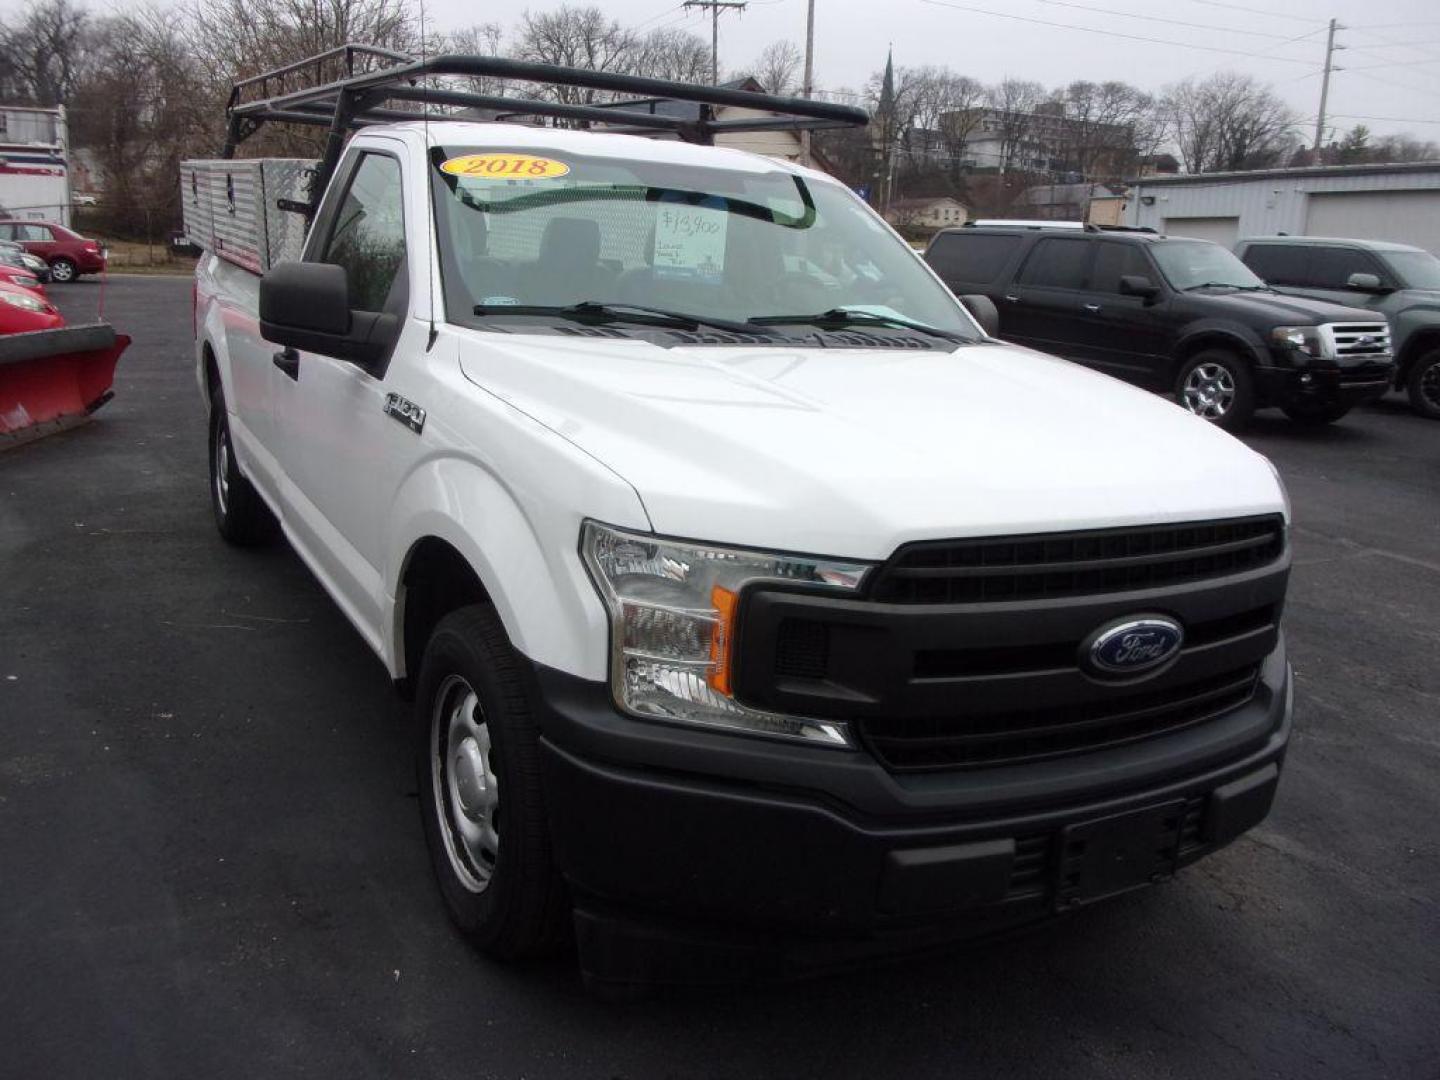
12 254
1172 315
84 200
21 278
746 591
67 252
22 310
1399 282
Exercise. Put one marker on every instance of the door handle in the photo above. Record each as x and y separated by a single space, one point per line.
1092 307
288 361
1012 299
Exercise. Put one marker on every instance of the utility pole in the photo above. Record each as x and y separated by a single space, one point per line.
715 7
808 88
1330 48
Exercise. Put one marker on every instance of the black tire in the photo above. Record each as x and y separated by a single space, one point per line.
1423 385
1216 385
63 270
240 514
1314 413
476 742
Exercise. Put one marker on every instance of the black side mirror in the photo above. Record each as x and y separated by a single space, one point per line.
1368 283
984 312
1138 285
307 306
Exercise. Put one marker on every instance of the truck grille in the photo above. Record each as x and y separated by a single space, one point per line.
1358 339
1057 565
940 742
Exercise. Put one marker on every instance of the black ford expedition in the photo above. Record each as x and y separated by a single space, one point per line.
1172 315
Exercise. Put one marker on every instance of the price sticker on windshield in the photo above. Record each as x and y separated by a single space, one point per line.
505 167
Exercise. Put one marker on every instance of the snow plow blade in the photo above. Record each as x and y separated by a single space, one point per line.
51 380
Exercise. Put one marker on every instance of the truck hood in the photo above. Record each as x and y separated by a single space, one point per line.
1275 309
851 452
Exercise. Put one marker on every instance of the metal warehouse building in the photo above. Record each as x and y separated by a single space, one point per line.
1372 202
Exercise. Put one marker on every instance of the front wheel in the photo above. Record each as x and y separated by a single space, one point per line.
1216 385
1314 413
477 763
63 270
1423 385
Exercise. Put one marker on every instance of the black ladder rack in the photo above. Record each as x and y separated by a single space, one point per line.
362 98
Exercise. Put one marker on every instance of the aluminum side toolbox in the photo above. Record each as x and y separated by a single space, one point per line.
231 208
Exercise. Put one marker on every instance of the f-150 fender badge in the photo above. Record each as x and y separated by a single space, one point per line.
406 411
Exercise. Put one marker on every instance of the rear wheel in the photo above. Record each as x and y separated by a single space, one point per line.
477 763
1310 412
1423 385
1216 385
240 514
63 270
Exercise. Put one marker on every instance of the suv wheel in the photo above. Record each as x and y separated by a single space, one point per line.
63 270
1215 385
1424 385
477 763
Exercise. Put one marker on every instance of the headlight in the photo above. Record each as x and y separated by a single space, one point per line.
34 262
1305 339
673 606
1284 491
29 303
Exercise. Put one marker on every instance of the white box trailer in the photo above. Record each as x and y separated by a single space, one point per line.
232 208
34 170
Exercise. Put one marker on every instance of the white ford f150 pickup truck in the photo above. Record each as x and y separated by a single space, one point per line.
752 599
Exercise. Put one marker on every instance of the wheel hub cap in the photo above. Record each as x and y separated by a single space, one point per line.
1209 391
469 768
465 791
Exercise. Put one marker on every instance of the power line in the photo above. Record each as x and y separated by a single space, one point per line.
1173 22
1113 33
1250 10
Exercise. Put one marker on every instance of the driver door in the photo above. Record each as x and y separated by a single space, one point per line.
341 455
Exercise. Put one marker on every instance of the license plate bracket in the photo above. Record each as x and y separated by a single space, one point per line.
1112 855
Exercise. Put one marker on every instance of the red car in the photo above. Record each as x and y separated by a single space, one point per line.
21 310
13 275
68 253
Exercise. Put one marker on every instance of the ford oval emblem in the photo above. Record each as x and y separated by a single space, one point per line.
1133 646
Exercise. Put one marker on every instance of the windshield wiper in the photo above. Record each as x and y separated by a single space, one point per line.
597 312
1228 285
842 316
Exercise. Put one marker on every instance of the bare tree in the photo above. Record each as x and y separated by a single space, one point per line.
777 68
671 53
43 51
576 37
1393 148
1107 127
482 39
1228 122
961 113
1014 102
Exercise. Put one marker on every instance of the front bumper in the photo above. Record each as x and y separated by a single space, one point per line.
698 856
1346 385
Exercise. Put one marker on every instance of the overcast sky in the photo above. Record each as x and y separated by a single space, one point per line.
1385 79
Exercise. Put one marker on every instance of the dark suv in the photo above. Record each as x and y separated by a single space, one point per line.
1396 281
1172 315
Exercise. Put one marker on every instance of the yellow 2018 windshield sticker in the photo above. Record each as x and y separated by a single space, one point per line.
505 167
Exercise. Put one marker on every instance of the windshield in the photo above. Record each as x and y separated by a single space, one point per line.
549 229
1188 264
1418 269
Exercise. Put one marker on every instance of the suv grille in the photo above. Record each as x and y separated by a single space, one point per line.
906 744
1076 564
1358 339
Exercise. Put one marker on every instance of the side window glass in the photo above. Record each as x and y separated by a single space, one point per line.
368 234
1331 267
1058 264
1277 264
1114 261
974 257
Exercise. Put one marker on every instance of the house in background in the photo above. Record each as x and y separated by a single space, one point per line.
925 215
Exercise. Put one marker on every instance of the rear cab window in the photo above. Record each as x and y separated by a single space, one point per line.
970 257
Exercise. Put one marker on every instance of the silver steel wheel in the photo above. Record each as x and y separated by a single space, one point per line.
1430 385
463 784
222 467
62 271
1209 391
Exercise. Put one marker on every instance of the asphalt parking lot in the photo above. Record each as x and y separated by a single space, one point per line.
211 862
